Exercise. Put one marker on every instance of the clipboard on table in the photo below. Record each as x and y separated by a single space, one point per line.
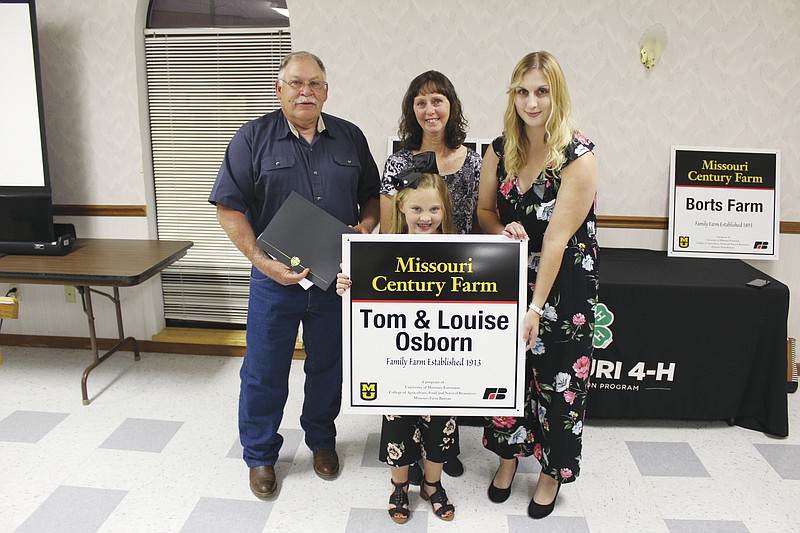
302 235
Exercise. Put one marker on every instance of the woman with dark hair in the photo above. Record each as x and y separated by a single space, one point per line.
539 183
432 120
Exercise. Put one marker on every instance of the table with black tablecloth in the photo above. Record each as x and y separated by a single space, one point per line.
689 339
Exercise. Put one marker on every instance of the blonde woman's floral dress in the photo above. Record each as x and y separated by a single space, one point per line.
557 368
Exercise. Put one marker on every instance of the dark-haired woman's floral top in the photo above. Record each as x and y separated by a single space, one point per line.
557 369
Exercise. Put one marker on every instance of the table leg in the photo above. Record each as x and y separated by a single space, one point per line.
121 336
86 297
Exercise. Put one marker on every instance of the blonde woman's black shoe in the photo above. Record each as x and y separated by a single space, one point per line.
501 495
536 510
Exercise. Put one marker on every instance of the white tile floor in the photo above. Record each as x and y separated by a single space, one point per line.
157 451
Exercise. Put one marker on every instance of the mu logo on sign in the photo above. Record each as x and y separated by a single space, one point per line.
369 391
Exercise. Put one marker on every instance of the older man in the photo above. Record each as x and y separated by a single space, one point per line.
327 161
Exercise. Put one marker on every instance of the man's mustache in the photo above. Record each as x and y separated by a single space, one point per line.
305 100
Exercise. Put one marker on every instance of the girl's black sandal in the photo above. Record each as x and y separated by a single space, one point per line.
399 502
439 496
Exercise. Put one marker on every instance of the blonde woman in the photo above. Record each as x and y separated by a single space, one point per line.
538 182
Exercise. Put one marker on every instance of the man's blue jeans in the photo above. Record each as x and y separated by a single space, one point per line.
273 316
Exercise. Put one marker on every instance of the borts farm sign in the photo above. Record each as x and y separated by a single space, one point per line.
724 203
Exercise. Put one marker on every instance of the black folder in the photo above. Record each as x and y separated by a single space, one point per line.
302 235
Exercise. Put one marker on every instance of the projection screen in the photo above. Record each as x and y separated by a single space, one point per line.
21 144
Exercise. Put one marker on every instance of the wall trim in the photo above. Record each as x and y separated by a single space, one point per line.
790 227
603 221
82 343
77 210
612 221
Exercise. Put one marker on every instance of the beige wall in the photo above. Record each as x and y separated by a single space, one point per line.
727 79
728 76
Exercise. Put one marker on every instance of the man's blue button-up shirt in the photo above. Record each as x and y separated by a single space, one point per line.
265 161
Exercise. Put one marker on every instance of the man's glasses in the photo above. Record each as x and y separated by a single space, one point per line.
297 85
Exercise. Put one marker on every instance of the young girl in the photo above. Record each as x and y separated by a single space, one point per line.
421 207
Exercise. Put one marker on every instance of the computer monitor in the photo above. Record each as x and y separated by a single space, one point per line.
26 218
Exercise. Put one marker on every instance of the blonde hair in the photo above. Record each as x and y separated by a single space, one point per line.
559 128
426 181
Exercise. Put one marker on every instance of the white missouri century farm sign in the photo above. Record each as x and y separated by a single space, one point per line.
431 324
724 203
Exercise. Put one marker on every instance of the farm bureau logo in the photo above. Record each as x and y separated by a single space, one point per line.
495 393
369 391
761 245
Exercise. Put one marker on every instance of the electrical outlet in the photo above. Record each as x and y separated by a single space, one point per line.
69 294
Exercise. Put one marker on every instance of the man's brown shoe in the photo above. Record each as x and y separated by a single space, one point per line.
326 463
262 481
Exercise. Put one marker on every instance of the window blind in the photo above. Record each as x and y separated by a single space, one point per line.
201 88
